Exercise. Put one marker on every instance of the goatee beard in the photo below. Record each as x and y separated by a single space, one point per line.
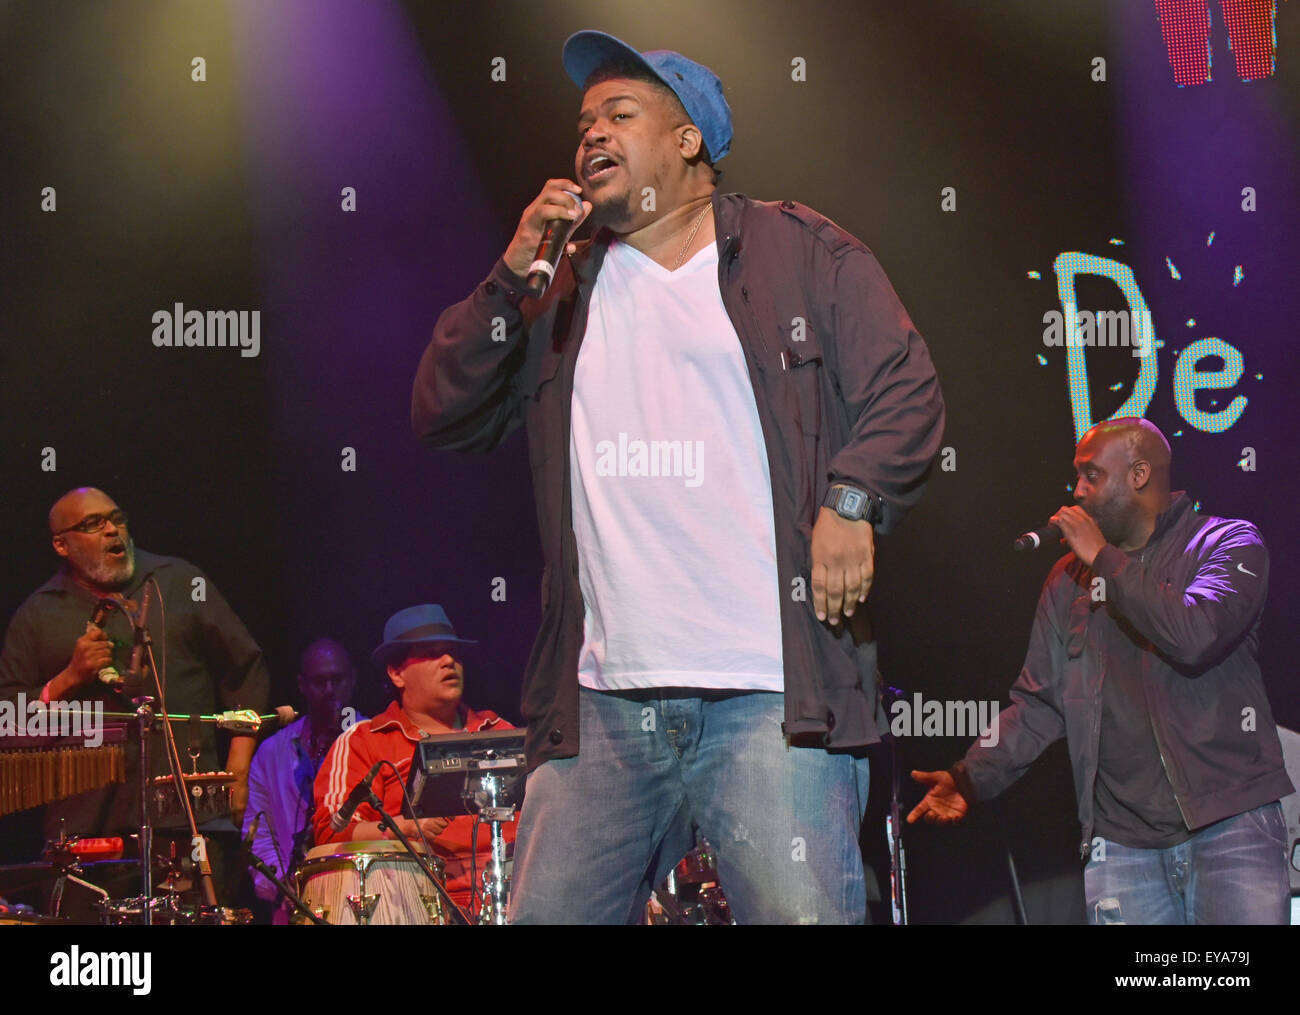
113 574
616 216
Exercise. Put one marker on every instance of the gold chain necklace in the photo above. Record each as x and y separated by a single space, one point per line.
694 229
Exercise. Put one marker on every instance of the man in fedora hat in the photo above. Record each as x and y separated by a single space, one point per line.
725 402
421 653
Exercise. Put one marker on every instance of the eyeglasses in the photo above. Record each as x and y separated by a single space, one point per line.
94 523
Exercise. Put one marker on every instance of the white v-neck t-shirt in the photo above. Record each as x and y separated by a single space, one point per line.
672 496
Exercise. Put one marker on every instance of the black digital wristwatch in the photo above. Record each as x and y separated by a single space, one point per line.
854 504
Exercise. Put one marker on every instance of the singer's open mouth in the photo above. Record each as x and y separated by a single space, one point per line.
600 167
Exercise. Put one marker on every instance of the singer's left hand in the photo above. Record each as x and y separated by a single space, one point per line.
1080 533
843 564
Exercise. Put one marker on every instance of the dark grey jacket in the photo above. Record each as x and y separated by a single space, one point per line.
845 392
1195 592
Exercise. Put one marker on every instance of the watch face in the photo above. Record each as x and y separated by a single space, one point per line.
851 502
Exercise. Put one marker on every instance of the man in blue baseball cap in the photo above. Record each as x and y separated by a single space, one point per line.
725 402
675 125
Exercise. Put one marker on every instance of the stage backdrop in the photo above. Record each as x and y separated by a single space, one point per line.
338 172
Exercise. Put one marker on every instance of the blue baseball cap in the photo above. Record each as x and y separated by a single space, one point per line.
695 85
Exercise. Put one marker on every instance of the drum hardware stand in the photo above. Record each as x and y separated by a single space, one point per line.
174 764
496 883
172 881
70 869
1016 898
145 716
894 823
386 821
243 722
261 866
482 774
56 894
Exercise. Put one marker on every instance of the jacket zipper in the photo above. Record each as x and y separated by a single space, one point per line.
1155 730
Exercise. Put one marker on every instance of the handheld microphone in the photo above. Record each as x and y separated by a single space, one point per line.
542 270
107 674
1036 538
360 791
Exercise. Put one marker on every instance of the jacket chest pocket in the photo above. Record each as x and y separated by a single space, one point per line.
802 380
802 360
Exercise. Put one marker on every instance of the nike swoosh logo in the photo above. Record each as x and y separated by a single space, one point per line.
1242 568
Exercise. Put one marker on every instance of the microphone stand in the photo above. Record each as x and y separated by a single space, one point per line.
174 764
146 718
386 821
894 825
144 715
241 723
268 872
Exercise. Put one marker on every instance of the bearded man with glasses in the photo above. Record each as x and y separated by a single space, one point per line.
206 658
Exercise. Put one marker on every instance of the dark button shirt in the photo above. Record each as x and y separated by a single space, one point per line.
1134 800
208 660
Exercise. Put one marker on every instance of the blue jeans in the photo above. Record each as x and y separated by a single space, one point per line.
599 831
1234 871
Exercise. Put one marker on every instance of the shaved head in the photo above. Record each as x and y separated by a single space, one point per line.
103 559
1141 440
323 652
76 504
1122 477
326 679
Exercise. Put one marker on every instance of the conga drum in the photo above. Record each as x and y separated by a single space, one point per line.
369 883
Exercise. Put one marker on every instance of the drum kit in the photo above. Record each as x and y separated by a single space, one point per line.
352 883
76 879
691 895
349 883
377 883
78 873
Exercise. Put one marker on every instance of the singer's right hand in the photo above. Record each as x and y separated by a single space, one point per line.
552 203
92 652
